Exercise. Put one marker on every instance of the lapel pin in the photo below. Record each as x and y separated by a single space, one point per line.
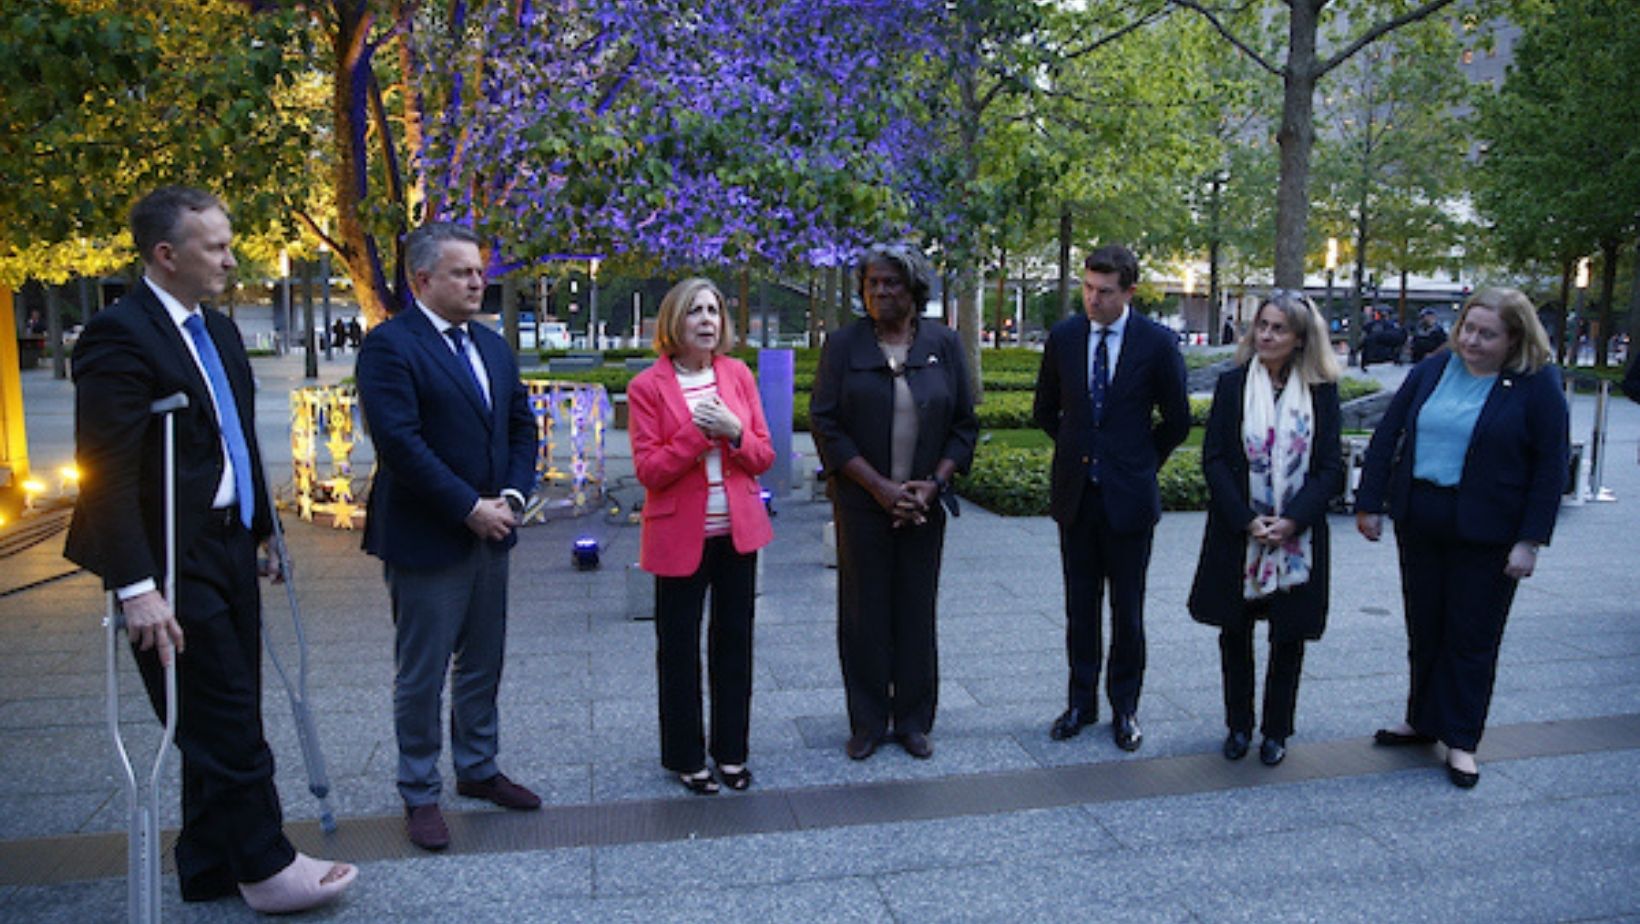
933 360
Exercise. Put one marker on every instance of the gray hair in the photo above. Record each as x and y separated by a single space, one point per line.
919 277
422 246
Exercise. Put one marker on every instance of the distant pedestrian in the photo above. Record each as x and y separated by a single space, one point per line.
1470 460
1272 463
355 334
338 334
1428 336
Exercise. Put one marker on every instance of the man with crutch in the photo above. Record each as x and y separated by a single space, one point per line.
153 343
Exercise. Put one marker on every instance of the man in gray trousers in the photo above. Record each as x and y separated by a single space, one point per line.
455 458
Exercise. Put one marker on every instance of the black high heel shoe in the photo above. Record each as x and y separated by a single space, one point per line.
1463 779
738 780
700 782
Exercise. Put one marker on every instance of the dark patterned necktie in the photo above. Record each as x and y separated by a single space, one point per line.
1101 376
459 338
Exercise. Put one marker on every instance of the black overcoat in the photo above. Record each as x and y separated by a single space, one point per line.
1216 593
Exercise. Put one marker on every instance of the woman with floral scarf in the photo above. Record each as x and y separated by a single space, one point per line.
1272 461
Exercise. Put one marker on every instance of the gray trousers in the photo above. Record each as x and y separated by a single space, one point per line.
449 619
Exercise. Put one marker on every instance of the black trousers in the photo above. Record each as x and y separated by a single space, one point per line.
232 825
1456 598
1281 675
887 586
679 604
1090 556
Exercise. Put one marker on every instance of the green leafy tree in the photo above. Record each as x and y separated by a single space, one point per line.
1560 175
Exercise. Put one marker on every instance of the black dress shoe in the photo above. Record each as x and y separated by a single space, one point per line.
1272 751
917 745
1388 737
1070 722
1463 779
862 745
1235 745
1125 732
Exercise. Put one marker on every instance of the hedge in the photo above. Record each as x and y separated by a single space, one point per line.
1014 482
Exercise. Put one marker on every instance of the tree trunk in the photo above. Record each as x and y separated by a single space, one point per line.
1565 306
1610 249
356 246
968 325
1296 138
1634 307
745 312
1359 313
1402 310
509 310
54 332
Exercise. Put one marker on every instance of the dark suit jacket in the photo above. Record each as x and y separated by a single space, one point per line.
1513 473
1130 446
851 412
438 448
1216 594
128 357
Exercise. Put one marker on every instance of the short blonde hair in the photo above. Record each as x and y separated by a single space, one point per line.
1313 357
1529 348
675 307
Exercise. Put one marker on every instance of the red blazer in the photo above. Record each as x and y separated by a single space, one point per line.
667 451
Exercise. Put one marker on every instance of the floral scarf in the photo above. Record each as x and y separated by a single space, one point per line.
1277 434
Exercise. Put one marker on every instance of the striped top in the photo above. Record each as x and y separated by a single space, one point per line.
698 387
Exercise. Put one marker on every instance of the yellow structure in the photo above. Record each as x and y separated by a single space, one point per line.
13 433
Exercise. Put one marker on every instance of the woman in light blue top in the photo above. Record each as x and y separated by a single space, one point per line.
1469 460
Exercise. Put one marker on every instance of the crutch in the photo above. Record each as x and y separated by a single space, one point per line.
307 734
142 847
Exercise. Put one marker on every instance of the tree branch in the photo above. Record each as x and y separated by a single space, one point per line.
1110 37
1389 25
1231 36
318 231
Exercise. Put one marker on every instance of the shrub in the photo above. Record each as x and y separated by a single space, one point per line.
613 378
1011 482
1350 388
1005 410
1014 482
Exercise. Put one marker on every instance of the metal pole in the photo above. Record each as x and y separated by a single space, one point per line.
324 288
1597 447
310 352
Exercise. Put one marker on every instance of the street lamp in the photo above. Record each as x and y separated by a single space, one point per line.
637 318
1332 267
592 305
281 315
1582 287
324 288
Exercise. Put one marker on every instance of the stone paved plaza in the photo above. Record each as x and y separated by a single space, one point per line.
1001 825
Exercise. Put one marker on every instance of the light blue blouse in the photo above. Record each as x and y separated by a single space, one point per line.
1446 422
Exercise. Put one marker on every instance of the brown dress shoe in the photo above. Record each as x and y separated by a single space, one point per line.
501 791
425 825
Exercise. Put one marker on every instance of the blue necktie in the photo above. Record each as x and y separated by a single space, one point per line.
1101 376
459 338
227 417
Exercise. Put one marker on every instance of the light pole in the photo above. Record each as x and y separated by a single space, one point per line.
1332 267
1214 296
592 305
310 352
281 314
637 318
324 289
1582 287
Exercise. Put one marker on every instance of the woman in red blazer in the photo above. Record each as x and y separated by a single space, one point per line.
699 442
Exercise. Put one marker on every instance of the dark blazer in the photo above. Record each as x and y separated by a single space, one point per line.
438 449
1631 379
1216 595
1513 473
851 412
1130 446
128 357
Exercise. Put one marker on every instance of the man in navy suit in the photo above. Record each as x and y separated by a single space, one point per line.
455 458
1104 376
155 342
